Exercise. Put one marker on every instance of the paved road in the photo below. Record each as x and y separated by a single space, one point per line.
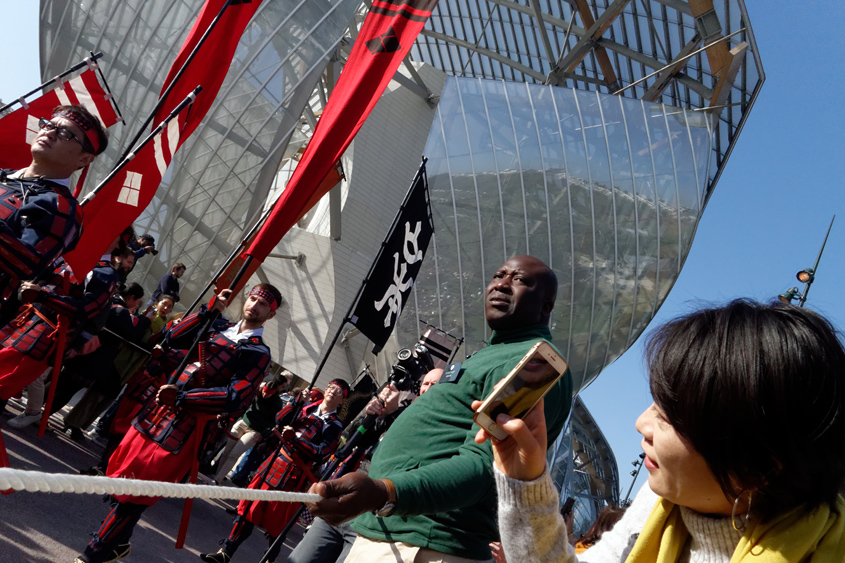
41 527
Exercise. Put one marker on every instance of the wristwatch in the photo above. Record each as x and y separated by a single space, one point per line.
390 504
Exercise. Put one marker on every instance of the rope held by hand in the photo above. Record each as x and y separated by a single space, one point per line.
35 481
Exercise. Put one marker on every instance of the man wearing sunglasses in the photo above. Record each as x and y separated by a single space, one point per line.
39 218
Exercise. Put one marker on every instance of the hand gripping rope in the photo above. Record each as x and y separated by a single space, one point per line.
36 481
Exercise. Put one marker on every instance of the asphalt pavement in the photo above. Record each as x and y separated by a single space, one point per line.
55 527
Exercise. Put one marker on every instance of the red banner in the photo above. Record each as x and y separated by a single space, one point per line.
18 129
123 198
225 279
210 64
386 37
126 195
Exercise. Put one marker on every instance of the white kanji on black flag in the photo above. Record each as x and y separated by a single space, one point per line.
391 279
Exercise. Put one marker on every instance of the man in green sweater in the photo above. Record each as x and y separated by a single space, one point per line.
430 494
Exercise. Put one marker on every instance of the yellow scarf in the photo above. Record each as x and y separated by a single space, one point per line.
795 537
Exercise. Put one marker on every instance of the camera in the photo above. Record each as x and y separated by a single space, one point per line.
411 365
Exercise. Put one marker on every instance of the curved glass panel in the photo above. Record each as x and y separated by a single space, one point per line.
606 190
583 467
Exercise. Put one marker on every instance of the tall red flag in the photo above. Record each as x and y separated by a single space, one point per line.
389 31
123 198
211 63
18 129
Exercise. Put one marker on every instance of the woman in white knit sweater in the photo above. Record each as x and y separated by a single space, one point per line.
744 444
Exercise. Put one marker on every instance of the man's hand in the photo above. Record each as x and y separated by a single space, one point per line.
347 497
285 434
387 402
376 407
28 292
220 301
522 455
167 395
288 434
157 351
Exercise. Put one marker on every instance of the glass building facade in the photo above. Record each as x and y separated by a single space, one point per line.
212 188
606 190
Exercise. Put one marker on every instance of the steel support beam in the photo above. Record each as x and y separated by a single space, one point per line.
595 29
662 80
419 87
526 70
718 54
544 35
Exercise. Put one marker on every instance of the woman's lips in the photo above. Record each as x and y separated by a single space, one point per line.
649 463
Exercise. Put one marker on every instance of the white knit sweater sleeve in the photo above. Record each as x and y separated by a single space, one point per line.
530 524
532 529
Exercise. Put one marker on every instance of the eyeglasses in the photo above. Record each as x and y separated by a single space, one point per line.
62 133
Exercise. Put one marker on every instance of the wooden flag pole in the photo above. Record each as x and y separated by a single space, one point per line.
61 327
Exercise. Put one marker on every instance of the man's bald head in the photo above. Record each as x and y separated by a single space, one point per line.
430 379
522 293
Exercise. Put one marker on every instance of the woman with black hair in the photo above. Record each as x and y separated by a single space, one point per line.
744 444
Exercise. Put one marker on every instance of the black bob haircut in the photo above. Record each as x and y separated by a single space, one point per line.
132 289
758 391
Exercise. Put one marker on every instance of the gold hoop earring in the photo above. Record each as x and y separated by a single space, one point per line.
743 523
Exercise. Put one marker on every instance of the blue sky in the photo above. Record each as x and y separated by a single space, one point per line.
766 219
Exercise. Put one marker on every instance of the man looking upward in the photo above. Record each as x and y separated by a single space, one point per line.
430 485
39 218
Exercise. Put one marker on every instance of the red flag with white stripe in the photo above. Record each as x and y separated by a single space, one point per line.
123 198
118 203
18 129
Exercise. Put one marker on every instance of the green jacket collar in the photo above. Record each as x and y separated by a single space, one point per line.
520 334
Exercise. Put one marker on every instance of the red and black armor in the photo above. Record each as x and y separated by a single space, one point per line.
289 469
316 438
223 381
39 221
32 332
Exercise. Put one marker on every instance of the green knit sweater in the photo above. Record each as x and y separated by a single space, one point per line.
444 480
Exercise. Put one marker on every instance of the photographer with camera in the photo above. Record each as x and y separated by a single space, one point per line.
430 489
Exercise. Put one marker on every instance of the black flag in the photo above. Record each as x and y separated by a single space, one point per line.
396 267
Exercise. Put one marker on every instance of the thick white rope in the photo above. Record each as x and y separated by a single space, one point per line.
36 481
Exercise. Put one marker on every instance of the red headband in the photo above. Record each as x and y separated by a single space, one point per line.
343 389
266 295
83 124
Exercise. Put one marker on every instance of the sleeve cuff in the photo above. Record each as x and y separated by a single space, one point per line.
405 490
525 494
